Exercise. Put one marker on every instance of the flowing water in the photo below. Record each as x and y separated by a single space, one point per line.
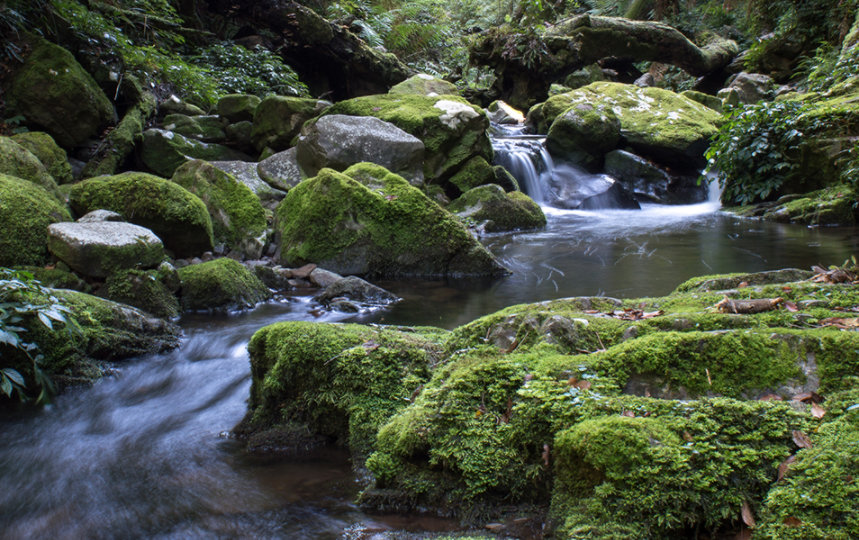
143 453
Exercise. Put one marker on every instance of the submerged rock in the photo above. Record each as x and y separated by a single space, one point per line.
493 210
356 289
369 221
573 188
26 211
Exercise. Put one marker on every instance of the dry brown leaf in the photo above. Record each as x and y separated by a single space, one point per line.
770 397
787 289
687 436
791 306
709 380
801 439
748 307
748 516
628 414
591 311
546 454
817 411
784 466
370 345
743 285
808 397
841 322
791 521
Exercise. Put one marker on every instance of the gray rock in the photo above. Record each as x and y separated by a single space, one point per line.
203 128
338 141
355 289
647 180
502 113
246 173
753 87
323 278
175 105
97 216
281 171
163 151
97 249
573 188
238 107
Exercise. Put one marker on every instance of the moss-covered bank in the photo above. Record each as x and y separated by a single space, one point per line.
643 418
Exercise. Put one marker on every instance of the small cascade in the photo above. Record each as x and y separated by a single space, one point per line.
525 156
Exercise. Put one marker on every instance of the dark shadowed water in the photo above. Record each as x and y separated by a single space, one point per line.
142 453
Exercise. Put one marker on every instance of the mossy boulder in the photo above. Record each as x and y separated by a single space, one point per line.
162 152
238 107
16 160
424 85
658 123
220 284
370 221
97 249
26 211
248 173
107 331
494 210
143 289
177 216
238 218
281 170
278 120
47 151
206 128
336 381
704 99
583 134
835 205
54 93
452 130
473 173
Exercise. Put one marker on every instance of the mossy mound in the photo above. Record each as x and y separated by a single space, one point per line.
54 158
372 222
424 85
162 152
52 91
493 210
278 119
238 218
337 381
206 128
475 172
26 210
238 107
107 331
655 122
583 134
452 130
143 289
220 284
173 213
16 160
835 205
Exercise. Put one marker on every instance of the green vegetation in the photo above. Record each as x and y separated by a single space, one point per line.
26 210
220 284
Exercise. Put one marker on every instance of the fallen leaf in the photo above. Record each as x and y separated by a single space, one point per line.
591 311
748 516
370 345
817 411
787 289
784 466
687 436
584 385
743 285
770 397
801 439
791 521
628 414
391 197
529 376
808 397
546 454
791 306
841 322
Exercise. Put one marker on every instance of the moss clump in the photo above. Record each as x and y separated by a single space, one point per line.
424 85
142 289
339 381
238 218
238 107
654 121
53 157
26 210
220 284
57 278
370 221
15 160
121 140
52 91
174 214
452 130
584 134
203 128
722 282
819 497
162 152
835 205
475 172
497 211
278 119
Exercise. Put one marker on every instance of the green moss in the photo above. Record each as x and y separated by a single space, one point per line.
55 93
238 218
174 214
220 284
16 160
238 107
162 152
341 381
704 99
497 211
475 172
819 497
144 290
26 210
204 128
423 84
450 139
584 133
370 221
278 119
835 205
49 153
57 278
732 281
121 140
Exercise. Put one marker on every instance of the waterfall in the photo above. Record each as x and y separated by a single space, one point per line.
526 157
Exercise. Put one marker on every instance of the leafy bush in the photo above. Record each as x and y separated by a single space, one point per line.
23 300
240 70
755 150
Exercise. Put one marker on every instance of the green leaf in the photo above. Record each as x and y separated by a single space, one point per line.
14 376
6 386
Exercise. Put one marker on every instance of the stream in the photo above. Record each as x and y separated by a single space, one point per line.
145 452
